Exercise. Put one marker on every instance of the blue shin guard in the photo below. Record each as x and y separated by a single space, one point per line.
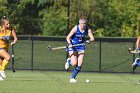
75 71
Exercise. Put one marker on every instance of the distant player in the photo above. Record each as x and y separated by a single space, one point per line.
5 33
76 36
137 60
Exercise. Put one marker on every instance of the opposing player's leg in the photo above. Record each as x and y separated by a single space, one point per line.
135 64
1 62
2 74
4 54
2 71
1 79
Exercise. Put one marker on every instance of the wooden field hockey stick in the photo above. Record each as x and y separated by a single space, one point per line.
133 51
63 47
13 68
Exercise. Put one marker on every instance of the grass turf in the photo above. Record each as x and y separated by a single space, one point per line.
58 82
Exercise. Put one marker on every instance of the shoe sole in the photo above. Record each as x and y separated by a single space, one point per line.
73 82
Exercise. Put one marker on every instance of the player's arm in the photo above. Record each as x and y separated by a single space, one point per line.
70 34
90 36
138 42
15 37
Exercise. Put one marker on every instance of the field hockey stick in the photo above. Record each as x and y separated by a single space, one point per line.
63 47
13 69
133 51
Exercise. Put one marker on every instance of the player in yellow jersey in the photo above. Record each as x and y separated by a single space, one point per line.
5 33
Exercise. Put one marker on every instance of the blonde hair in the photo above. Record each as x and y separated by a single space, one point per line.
83 18
3 20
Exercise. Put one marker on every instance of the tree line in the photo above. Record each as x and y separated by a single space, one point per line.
109 18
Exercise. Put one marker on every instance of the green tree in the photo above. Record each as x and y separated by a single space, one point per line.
111 18
24 15
119 18
55 19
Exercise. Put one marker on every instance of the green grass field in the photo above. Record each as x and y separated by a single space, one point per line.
58 82
114 58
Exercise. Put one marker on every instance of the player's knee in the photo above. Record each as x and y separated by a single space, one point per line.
7 58
74 63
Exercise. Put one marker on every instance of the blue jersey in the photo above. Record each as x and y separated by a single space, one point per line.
78 38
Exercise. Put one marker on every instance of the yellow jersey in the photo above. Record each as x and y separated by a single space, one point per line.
5 38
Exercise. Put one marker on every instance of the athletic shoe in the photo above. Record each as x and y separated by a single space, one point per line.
1 79
72 80
67 65
2 73
134 65
139 82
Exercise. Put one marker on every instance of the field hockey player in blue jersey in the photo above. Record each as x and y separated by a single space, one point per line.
76 53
